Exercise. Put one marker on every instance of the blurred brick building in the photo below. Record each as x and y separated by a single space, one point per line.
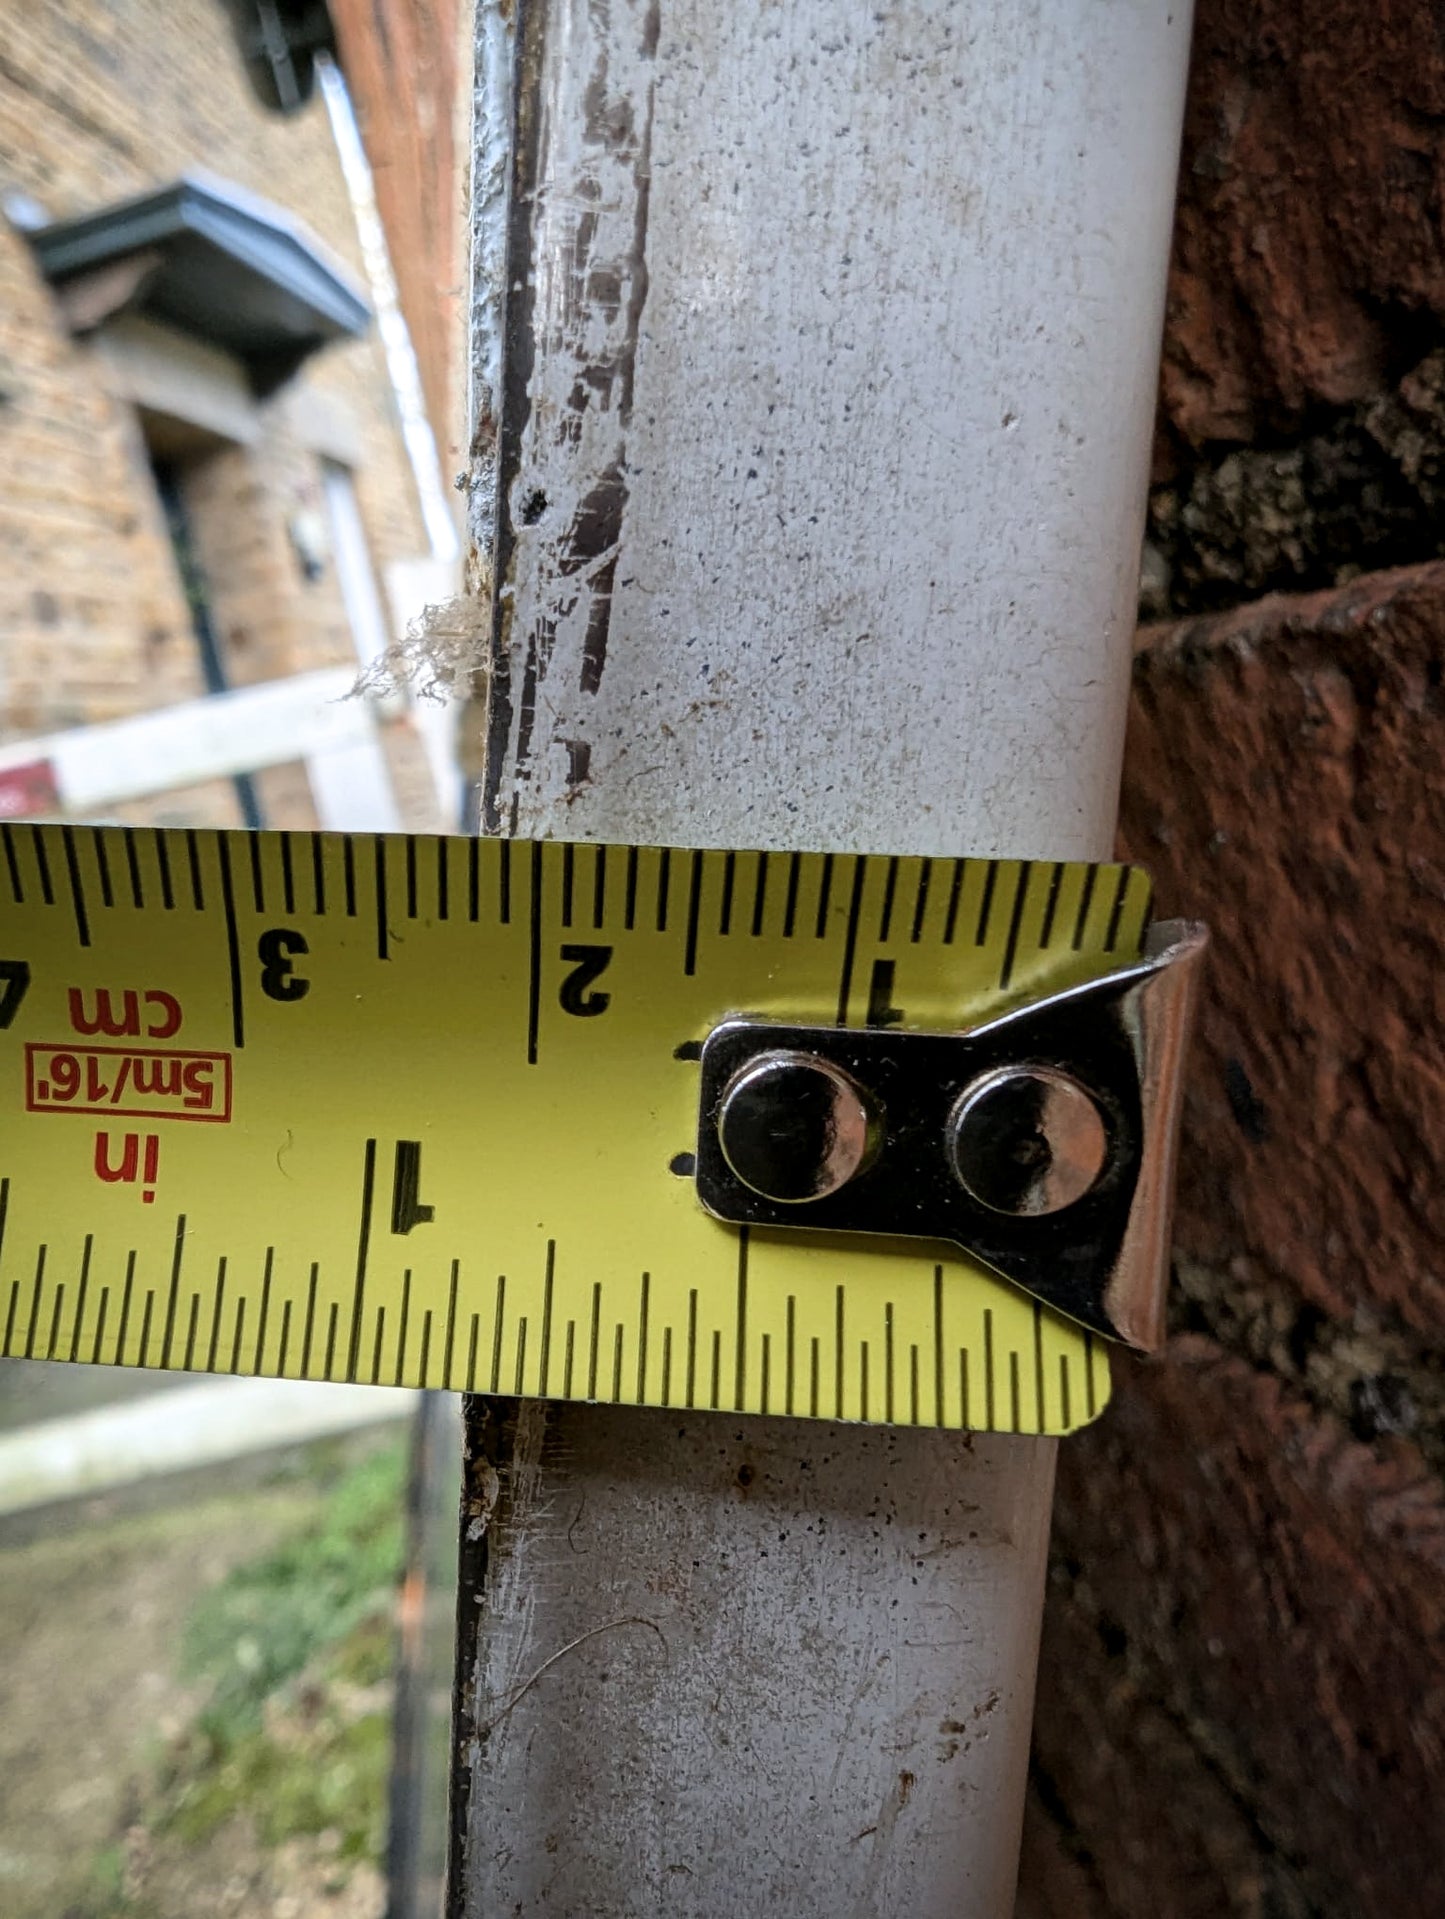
204 482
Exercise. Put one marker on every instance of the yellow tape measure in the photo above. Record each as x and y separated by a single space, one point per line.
421 1111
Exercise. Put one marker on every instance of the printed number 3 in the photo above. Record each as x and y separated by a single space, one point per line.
275 950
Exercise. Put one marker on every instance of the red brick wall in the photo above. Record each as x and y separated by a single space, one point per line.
1242 1696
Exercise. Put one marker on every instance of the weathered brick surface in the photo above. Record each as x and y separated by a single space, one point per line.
1286 781
1242 1697
1308 265
100 99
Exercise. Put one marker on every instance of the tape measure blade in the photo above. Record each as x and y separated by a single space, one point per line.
419 1111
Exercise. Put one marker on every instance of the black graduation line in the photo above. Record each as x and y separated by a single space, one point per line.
77 891
664 875
174 1293
163 862
1089 1374
10 1315
233 945
815 1372
985 909
741 1370
145 1326
266 1268
331 1318
617 1349
258 877
240 1328
363 1248
1086 900
55 1320
132 860
888 1361
599 889
193 861
17 891
520 1376
988 1366
42 866
448 1346
791 1352
838 1356
425 1360
474 879
1016 920
382 930
402 1326
215 1343
4 1214
642 1310
472 1353
790 907
568 1351
920 904
691 1396
955 894
764 1379
504 881
760 894
694 907
913 1385
285 1339
1064 1407
938 1345
545 1359
569 864
310 1325
1013 1386
1039 1366
35 1302
534 973
595 1336
666 1391
318 872
288 877
348 864
1051 905
102 866
125 1307
963 1387
84 1282
411 876
497 1334
714 1401
863 1379
825 894
1116 912
193 1321
850 942
725 911
100 1326
629 917
376 1346
890 887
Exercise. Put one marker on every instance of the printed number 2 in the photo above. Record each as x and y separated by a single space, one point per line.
275 950
587 963
14 983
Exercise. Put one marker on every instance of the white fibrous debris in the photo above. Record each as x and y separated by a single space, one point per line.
443 650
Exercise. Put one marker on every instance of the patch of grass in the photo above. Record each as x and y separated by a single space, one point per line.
262 1626
296 1647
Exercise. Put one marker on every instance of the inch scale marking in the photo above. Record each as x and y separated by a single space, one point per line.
421 1112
